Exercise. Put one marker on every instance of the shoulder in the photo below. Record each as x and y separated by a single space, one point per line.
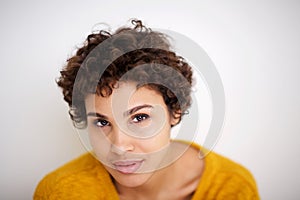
82 178
223 178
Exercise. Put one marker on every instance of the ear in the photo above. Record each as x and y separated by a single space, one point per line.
175 117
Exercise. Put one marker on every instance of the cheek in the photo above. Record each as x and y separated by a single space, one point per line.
100 145
154 143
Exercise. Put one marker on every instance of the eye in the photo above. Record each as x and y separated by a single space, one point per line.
139 117
101 123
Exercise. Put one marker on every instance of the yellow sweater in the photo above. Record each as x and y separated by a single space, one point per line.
86 179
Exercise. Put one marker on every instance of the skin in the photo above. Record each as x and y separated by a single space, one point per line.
145 110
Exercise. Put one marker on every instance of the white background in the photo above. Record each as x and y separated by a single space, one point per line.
255 46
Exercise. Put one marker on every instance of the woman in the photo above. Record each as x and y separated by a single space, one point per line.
127 89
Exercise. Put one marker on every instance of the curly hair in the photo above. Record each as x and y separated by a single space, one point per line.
124 50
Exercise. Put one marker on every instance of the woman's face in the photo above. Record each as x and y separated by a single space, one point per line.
129 132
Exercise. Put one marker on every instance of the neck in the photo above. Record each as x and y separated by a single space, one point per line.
157 186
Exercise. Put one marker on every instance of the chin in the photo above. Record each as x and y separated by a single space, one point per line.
129 180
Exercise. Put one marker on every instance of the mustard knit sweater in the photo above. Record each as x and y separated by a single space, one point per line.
86 179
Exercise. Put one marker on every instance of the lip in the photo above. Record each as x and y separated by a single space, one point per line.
128 166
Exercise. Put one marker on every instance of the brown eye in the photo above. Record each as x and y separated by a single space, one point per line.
101 123
139 117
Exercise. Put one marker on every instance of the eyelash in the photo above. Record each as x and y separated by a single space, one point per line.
143 116
135 119
96 123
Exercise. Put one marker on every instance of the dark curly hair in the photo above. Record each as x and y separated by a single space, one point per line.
124 50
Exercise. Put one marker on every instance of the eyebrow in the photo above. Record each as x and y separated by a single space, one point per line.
135 109
126 113
94 114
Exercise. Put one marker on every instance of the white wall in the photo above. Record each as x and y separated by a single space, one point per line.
254 45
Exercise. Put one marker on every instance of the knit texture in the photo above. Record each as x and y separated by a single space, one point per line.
85 178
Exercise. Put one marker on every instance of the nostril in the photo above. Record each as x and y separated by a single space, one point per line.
117 150
121 148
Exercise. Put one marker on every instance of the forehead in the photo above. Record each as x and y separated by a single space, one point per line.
125 96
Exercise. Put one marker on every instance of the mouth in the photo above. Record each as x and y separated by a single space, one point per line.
128 166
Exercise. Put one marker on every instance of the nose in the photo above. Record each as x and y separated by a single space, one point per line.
121 142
